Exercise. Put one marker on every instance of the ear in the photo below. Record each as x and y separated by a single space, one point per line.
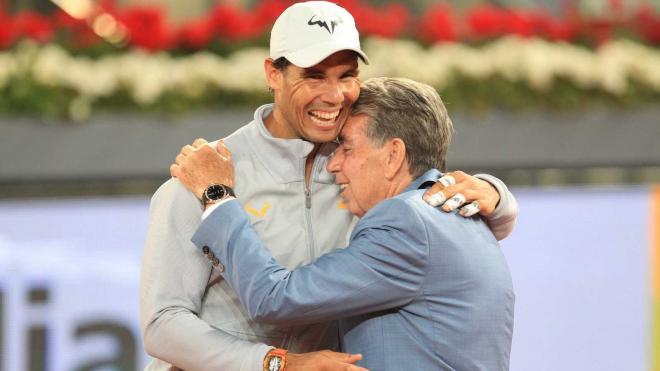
273 75
396 158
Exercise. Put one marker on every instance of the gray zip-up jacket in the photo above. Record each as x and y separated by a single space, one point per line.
190 317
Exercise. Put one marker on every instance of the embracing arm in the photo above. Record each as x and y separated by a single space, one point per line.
174 278
383 267
503 219
496 205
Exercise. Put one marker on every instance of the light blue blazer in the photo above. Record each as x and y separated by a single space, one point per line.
416 289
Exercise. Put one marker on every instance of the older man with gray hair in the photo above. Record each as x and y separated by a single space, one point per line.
416 288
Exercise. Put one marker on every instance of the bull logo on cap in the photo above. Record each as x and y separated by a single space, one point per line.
324 24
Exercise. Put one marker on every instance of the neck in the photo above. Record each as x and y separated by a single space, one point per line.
309 163
273 125
399 184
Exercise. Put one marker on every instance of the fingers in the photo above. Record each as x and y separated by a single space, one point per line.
455 201
342 357
174 170
447 180
435 195
452 191
186 150
223 150
325 360
441 190
199 142
470 209
349 358
179 158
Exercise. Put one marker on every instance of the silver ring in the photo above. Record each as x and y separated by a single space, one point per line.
470 209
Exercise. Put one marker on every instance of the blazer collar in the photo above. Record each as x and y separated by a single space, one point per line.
425 181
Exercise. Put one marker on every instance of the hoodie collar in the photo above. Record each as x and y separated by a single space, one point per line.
283 158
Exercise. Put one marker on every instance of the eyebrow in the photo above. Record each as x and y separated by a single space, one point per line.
312 71
355 71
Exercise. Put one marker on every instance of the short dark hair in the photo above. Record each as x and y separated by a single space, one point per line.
281 63
409 110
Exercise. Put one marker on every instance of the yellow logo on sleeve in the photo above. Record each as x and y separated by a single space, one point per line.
341 205
258 213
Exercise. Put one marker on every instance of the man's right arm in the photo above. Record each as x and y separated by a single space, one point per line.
174 277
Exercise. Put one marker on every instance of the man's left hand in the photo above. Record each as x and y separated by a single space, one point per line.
199 165
460 190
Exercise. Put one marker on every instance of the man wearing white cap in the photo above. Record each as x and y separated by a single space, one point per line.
191 319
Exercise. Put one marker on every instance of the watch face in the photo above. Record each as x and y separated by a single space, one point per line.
215 192
274 364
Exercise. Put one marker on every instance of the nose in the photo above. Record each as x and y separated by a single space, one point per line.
334 163
334 92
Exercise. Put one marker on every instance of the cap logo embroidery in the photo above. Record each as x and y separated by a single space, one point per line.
324 24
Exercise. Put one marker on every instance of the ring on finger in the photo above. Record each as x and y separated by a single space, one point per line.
470 209
454 202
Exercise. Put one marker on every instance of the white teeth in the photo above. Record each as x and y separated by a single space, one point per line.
325 115
343 186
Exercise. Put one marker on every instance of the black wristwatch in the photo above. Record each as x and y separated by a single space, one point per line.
216 193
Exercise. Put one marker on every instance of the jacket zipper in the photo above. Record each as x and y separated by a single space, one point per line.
310 233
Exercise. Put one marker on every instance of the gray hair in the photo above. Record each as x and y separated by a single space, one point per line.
409 110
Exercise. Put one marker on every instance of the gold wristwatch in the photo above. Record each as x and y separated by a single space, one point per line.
275 360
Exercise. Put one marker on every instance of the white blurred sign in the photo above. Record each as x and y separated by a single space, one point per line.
69 284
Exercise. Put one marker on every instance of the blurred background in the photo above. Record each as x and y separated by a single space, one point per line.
560 99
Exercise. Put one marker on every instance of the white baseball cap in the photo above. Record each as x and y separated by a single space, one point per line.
307 33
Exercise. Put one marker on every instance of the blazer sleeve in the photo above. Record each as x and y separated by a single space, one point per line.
502 221
173 281
382 268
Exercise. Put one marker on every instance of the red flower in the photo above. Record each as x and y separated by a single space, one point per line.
7 32
395 18
437 24
265 13
599 30
389 22
34 26
520 22
196 34
146 27
647 24
485 22
560 30
230 23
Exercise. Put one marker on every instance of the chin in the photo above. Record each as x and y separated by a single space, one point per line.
356 211
323 137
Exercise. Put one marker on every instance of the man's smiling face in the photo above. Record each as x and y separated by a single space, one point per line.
359 167
313 103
